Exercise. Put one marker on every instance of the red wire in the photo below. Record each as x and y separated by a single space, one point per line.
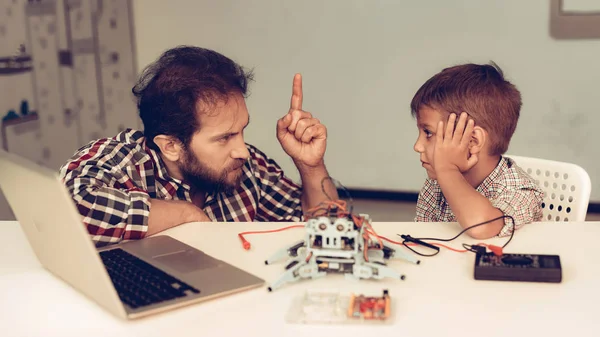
247 245
270 231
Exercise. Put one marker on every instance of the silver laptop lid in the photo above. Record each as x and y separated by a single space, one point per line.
54 229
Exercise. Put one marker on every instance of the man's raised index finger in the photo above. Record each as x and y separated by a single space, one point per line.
296 103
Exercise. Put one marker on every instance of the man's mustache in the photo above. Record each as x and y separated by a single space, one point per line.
239 163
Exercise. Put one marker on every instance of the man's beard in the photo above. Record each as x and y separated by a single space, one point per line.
203 178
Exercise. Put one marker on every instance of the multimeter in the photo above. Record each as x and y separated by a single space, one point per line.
518 267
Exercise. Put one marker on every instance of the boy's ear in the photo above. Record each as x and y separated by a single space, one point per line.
479 139
169 147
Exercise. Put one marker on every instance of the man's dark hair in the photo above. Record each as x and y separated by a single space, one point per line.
479 90
183 80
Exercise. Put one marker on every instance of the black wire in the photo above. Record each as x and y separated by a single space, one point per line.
477 225
414 251
466 246
338 186
323 187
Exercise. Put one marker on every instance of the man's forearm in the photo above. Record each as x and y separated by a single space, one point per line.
315 189
165 214
469 206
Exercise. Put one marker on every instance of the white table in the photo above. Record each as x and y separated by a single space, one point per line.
438 298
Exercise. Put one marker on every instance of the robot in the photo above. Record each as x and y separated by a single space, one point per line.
342 243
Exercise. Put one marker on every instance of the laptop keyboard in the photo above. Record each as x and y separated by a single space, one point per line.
139 283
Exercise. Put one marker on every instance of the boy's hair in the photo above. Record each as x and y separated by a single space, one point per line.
479 90
169 90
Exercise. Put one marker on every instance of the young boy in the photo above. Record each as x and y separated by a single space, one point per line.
466 116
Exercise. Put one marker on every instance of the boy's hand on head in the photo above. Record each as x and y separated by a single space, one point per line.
452 145
302 137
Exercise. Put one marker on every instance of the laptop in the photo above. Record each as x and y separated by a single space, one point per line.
132 279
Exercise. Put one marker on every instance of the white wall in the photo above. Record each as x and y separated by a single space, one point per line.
84 95
363 60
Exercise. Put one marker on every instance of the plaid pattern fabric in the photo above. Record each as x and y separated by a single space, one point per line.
508 188
112 181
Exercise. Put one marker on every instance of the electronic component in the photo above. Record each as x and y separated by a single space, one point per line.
368 307
518 267
332 307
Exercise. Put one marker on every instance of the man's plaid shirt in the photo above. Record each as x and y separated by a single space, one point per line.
113 179
508 188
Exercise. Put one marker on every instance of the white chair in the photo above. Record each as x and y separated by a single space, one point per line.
567 186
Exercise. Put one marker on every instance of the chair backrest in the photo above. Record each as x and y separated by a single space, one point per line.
567 187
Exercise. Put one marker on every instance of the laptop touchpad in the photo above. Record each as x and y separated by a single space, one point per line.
187 261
